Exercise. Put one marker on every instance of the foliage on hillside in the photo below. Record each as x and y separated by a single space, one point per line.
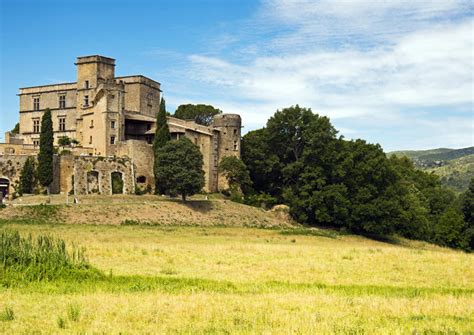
419 153
454 166
457 173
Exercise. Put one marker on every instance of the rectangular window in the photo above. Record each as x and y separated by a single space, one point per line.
86 100
112 124
235 146
62 124
86 84
62 101
92 124
36 103
90 140
36 143
112 139
36 126
235 132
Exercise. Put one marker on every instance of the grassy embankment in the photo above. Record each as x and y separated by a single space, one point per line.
218 279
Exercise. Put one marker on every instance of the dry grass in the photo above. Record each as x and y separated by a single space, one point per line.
150 210
249 281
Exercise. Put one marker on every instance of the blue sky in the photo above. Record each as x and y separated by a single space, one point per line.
399 73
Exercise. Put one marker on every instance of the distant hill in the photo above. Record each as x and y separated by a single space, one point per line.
419 153
454 166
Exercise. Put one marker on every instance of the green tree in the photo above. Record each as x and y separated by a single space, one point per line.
179 168
449 230
27 177
45 156
162 136
64 141
263 165
201 114
16 129
236 173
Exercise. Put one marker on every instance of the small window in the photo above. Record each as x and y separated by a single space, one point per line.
86 84
92 124
62 101
112 124
236 147
36 126
112 139
148 126
86 100
62 124
36 103
90 139
36 143
141 179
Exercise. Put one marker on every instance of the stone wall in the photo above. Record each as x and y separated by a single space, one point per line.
11 166
141 155
92 174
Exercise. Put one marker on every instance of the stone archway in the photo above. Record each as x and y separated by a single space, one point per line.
93 183
4 186
116 182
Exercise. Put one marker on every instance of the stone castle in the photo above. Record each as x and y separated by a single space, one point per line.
113 120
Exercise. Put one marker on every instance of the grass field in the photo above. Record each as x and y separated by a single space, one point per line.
219 280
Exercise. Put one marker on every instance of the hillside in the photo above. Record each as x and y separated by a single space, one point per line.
454 166
145 210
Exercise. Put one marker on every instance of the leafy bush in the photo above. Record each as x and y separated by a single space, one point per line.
40 258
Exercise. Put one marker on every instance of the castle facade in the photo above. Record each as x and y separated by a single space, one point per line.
112 119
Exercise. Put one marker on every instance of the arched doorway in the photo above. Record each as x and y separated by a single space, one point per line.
4 186
93 182
117 182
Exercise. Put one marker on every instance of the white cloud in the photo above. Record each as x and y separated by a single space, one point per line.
387 64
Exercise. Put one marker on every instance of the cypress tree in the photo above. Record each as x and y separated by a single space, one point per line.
27 177
45 156
162 133
162 136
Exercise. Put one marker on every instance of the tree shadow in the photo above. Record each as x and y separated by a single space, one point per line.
202 206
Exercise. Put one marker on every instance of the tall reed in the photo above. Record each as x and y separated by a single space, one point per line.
41 258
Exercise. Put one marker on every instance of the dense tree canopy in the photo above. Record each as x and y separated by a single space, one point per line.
298 159
45 156
200 113
179 168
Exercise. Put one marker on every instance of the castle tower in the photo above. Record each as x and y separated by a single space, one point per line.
99 104
228 126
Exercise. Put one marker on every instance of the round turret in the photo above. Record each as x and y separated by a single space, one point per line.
227 120
228 140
